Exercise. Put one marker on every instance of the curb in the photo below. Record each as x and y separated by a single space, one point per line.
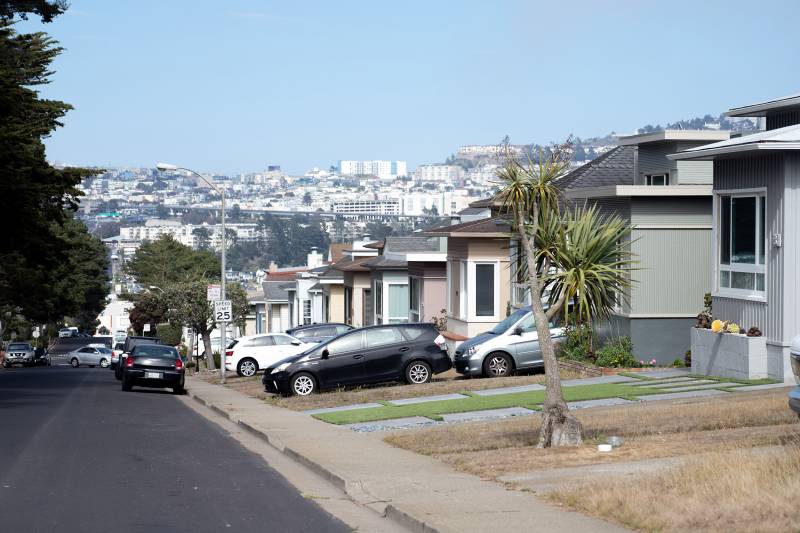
351 489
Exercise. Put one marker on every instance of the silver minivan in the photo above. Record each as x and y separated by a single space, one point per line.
511 345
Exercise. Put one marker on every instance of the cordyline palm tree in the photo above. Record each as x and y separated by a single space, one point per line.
580 257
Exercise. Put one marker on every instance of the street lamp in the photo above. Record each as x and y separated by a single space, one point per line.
169 167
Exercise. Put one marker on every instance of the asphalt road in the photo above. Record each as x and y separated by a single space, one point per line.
78 454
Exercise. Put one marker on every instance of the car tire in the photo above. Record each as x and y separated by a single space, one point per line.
497 365
247 367
303 384
418 372
178 390
6 365
126 386
118 372
104 363
74 362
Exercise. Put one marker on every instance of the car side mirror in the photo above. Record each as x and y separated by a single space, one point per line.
296 343
518 331
325 353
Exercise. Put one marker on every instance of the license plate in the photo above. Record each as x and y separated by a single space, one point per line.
152 375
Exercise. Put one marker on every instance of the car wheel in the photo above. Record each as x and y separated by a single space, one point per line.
126 386
247 367
418 372
118 372
497 365
103 363
178 390
6 365
303 384
74 362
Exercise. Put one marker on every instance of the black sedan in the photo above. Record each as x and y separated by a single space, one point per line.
319 332
391 352
153 365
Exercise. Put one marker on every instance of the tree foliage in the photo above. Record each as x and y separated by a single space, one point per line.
165 261
45 9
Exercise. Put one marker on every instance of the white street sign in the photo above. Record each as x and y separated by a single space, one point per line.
146 328
213 293
223 311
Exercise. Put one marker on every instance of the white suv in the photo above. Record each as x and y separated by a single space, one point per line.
248 355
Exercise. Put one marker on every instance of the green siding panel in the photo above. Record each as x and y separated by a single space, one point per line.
675 271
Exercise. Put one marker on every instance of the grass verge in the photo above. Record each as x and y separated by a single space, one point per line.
531 400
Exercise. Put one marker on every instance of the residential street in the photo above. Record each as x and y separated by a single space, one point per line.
78 454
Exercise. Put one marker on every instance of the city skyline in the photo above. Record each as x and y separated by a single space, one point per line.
304 87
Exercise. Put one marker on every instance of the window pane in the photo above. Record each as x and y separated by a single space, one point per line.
743 228
348 343
413 285
398 301
383 336
281 340
760 282
743 280
484 290
266 340
724 278
379 298
725 229
764 233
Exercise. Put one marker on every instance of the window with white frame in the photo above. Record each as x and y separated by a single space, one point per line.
657 179
306 312
414 299
462 302
484 289
742 240
398 303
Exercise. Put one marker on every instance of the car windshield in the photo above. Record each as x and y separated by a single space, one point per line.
152 350
19 346
509 321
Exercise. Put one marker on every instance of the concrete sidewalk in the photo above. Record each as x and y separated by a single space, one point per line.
419 492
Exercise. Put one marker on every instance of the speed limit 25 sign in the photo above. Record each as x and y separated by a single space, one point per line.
223 311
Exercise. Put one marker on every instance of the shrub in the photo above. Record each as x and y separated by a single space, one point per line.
169 334
754 332
678 363
687 358
617 353
577 344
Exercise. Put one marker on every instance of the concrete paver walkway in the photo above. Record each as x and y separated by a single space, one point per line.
415 490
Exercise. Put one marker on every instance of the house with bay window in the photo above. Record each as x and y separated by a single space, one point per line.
756 242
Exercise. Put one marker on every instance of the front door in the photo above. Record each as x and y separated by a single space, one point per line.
345 362
367 319
384 353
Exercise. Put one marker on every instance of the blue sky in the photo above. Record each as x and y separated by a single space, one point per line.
237 85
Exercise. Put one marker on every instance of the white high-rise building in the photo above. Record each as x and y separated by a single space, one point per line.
447 173
382 169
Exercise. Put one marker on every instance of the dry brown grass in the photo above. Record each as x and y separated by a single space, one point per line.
492 449
726 491
444 383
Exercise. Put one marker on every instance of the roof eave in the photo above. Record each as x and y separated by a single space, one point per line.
709 154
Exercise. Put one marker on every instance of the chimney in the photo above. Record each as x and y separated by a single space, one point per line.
273 266
314 258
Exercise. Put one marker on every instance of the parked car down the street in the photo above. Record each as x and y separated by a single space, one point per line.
130 343
248 355
18 353
153 365
116 352
511 345
319 332
91 356
374 354
41 357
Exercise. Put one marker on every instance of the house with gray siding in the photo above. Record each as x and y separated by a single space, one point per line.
755 247
669 205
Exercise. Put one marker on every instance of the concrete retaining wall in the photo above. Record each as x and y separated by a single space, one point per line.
729 356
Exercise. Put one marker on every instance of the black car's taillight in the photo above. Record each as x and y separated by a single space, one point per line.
129 362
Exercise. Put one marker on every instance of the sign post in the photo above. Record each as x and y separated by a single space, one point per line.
223 313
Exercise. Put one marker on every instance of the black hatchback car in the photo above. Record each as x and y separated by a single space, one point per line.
390 352
319 332
153 365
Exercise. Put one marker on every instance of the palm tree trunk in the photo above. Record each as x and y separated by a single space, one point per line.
559 426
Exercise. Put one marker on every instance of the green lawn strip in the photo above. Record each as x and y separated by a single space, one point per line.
762 381
481 403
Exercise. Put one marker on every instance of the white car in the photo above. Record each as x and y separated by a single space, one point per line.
248 355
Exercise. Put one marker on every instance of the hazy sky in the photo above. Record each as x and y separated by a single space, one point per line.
235 85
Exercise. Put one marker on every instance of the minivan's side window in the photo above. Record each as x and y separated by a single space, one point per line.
527 324
348 343
383 336
342 329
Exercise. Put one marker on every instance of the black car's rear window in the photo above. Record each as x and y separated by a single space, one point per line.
155 351
415 332
19 346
